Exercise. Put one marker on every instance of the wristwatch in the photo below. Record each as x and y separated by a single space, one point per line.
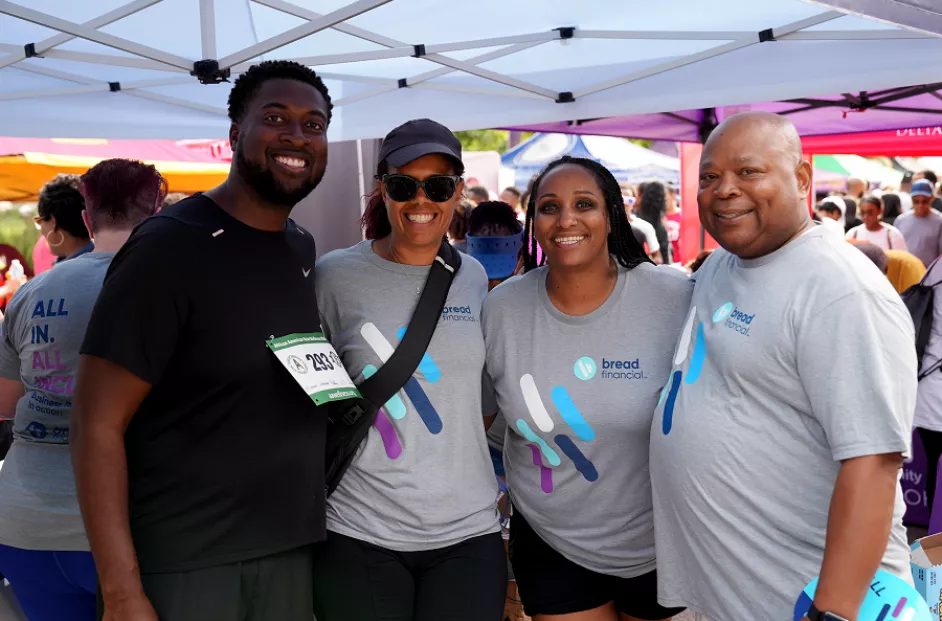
817 615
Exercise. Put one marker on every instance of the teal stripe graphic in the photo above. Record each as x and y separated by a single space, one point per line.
395 407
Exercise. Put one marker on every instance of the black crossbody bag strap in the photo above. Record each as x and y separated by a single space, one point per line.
396 371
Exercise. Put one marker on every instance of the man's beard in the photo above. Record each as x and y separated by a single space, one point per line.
262 180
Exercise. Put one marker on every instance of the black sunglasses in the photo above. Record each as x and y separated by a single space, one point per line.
438 188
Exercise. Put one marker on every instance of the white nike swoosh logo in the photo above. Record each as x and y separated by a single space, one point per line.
306 272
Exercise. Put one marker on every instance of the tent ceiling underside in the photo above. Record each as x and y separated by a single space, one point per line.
105 66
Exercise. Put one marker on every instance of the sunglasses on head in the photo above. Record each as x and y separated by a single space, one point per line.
438 188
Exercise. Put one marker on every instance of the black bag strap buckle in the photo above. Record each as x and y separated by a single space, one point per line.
356 410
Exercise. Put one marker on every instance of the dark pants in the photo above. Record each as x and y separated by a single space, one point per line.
932 443
6 437
357 581
271 588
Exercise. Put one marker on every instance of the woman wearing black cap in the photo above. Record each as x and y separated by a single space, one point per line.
413 532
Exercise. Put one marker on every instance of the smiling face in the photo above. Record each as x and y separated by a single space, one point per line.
571 222
753 185
281 143
420 223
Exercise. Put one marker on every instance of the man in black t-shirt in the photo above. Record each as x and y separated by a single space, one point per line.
199 461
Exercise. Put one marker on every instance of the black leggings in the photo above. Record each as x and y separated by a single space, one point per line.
6 437
932 444
357 581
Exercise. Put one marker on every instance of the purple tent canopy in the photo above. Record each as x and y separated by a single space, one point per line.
896 108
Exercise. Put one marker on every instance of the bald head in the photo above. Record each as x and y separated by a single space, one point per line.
754 184
777 132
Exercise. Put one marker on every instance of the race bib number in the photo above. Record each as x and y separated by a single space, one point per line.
315 366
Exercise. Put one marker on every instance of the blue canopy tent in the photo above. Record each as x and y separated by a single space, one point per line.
627 161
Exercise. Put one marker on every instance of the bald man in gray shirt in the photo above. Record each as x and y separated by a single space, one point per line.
777 446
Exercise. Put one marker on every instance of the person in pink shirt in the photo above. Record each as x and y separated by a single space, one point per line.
674 220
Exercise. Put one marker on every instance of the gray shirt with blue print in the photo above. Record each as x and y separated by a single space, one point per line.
423 478
787 365
579 394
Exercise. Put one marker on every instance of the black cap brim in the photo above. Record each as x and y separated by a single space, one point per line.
409 153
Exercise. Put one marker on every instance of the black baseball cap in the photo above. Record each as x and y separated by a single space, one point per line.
417 138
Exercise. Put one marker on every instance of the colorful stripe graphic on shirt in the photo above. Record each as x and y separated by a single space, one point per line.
395 407
546 475
531 396
697 359
388 433
427 366
583 465
571 414
551 456
584 369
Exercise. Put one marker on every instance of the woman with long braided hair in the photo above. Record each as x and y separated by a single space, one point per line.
593 330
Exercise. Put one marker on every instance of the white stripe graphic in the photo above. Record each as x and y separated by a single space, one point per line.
681 354
535 404
375 339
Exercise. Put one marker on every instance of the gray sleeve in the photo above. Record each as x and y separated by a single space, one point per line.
488 394
857 363
10 365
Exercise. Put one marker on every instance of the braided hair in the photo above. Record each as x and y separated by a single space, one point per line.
622 244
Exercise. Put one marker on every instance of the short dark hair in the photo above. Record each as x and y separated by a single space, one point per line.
61 199
516 192
249 82
829 207
930 176
493 219
873 200
479 191
120 194
622 244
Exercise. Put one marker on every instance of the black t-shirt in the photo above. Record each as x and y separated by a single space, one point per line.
226 453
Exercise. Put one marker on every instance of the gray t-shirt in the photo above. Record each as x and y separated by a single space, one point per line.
39 345
579 395
423 479
923 235
788 364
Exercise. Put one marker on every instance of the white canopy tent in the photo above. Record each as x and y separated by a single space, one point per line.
120 69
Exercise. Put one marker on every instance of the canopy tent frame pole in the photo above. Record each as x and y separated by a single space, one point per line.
208 28
300 32
418 51
99 22
866 101
767 35
423 77
449 63
91 34
111 60
173 101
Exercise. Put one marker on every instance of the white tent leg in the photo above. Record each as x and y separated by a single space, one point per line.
208 29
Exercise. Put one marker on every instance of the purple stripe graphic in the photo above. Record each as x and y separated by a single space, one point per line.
900 606
388 433
546 475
